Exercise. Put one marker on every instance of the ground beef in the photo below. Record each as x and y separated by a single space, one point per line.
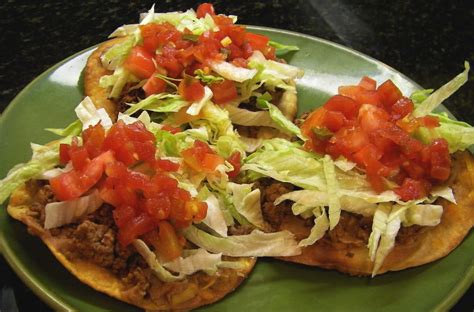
299 121
352 229
41 194
139 280
270 190
130 96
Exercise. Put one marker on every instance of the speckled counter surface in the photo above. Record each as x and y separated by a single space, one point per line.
427 41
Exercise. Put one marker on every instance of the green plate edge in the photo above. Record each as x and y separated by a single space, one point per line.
48 297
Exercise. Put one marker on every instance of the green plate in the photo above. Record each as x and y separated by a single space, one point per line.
49 101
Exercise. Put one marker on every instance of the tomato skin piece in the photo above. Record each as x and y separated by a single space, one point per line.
211 161
140 62
154 85
440 160
401 108
166 165
169 247
368 83
360 95
67 186
334 120
191 89
256 41
314 120
64 153
343 104
234 160
388 93
93 139
223 92
205 8
412 189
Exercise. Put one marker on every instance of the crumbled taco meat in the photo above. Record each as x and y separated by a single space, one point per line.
270 190
130 96
41 195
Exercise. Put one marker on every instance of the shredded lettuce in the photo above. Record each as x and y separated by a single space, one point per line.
153 263
197 260
244 117
379 225
333 191
215 217
277 116
61 213
232 72
286 161
117 53
437 97
72 129
247 203
282 49
321 225
195 108
459 135
162 103
226 145
255 244
207 79
44 158
89 115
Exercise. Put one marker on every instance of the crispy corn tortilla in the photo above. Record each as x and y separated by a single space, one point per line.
430 244
92 74
105 281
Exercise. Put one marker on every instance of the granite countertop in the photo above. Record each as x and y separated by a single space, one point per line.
427 41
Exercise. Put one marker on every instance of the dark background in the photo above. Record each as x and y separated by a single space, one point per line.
426 40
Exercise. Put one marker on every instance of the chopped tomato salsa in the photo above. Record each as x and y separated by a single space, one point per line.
147 200
173 53
372 126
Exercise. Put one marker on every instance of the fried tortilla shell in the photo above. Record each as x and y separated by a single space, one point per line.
205 289
417 246
92 74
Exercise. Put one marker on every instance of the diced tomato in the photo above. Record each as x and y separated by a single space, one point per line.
334 120
376 134
154 85
236 34
401 108
140 62
234 160
360 95
412 189
368 83
166 165
79 156
224 92
158 207
256 41
191 89
197 209
211 161
205 8
137 226
64 153
169 62
430 121
93 139
67 186
389 93
247 50
314 120
222 20
343 104
123 215
168 246
440 160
